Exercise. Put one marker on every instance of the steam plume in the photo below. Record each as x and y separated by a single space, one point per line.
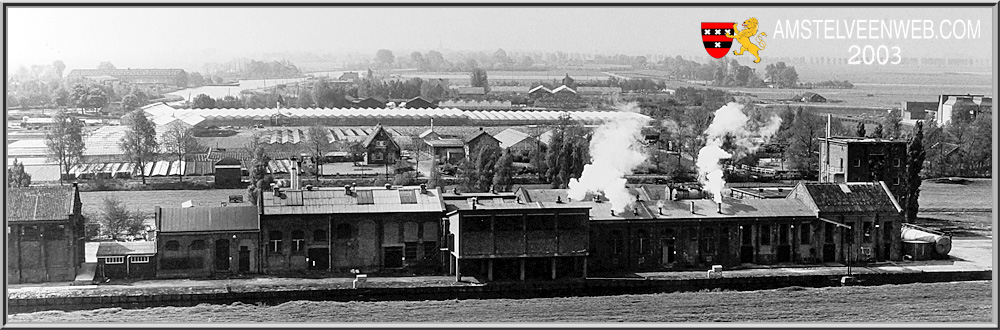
747 136
615 150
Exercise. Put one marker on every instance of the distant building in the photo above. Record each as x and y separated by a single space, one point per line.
516 141
539 91
917 110
44 234
228 173
962 106
349 76
419 103
205 241
477 105
158 77
856 159
811 97
612 92
369 103
470 91
564 91
381 148
448 151
509 90
478 140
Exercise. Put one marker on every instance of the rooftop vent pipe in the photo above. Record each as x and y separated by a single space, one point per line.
347 190
692 207
720 208
423 188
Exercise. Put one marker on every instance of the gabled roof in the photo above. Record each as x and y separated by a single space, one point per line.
563 88
476 135
375 132
113 249
510 137
40 203
539 88
428 132
846 197
363 200
202 219
446 143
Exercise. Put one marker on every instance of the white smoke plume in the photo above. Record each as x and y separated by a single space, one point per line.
746 136
615 150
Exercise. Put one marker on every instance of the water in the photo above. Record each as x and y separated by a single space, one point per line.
218 92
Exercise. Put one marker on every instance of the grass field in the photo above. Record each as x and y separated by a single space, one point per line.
934 302
975 194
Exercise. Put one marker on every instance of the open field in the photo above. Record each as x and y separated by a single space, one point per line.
936 302
975 194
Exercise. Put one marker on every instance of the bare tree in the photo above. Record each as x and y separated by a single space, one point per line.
318 143
65 141
179 141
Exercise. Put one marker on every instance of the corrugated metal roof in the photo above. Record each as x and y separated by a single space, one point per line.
335 201
219 218
39 203
109 249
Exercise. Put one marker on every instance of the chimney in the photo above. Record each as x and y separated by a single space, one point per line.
720 208
597 198
277 191
558 199
309 187
388 186
692 207
423 188
612 212
474 201
454 191
294 174
347 190
660 209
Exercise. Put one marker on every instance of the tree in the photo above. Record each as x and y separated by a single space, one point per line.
486 161
434 180
106 65
179 141
65 141
503 174
861 129
130 102
385 58
17 177
877 133
58 67
259 179
61 97
326 96
914 164
538 161
318 144
139 142
203 101
803 150
893 123
479 79
119 221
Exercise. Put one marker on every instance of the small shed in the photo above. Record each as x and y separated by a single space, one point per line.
228 173
117 260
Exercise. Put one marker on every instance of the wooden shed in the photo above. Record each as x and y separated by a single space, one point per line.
117 260
228 173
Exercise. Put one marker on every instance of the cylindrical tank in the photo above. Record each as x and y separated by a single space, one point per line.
942 244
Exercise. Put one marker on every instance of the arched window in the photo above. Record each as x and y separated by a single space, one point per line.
319 235
298 240
172 246
197 244
344 230
274 238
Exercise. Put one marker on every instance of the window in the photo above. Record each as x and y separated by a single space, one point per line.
708 240
857 163
746 234
410 251
783 231
507 223
380 144
376 156
138 259
274 238
298 241
476 223
319 235
197 244
897 161
30 233
804 234
841 163
765 235
344 231
172 246
114 260
644 246
617 243
898 181
867 232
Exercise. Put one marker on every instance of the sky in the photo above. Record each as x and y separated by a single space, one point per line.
187 37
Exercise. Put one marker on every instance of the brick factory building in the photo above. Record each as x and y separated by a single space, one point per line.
206 241
857 159
45 232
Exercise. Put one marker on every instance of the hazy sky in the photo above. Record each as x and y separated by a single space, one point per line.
164 37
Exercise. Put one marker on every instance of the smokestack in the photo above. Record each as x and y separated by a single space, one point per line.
692 207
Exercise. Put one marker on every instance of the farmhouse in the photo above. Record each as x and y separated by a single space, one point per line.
478 140
381 148
811 97
44 227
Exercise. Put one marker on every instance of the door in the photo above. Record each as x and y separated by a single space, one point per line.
393 257
784 253
244 259
746 254
222 254
829 253
319 259
667 248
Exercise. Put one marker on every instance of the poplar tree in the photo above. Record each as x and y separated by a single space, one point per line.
914 164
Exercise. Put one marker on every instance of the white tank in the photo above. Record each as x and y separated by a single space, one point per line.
942 244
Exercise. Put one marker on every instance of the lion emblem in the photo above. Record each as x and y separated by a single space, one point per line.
749 30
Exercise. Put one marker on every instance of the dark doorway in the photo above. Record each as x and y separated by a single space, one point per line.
669 253
829 252
244 259
784 253
393 257
222 254
886 250
746 254
319 259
